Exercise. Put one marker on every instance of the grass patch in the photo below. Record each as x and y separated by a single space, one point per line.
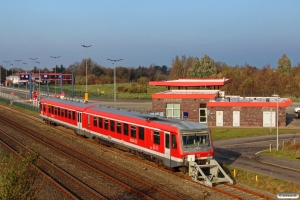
265 183
230 132
289 150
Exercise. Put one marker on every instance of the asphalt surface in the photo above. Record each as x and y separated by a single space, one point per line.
242 153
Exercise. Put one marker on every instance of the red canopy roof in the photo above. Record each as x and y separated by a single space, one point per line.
192 82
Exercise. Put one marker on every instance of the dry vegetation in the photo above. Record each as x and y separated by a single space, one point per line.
18 177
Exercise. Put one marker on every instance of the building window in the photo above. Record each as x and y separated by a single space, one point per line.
133 131
141 133
173 110
156 137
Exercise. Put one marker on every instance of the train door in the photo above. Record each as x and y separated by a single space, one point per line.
167 144
79 123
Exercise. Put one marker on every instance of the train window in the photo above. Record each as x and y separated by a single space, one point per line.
112 125
70 114
119 127
125 128
167 140
106 124
99 122
73 115
95 121
58 111
44 108
174 143
89 120
55 110
133 131
141 133
156 138
52 108
62 112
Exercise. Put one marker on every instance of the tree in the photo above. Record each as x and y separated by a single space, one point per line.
204 68
284 64
177 69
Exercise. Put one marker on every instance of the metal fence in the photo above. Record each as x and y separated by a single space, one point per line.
16 101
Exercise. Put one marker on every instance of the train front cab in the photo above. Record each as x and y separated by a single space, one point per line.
198 151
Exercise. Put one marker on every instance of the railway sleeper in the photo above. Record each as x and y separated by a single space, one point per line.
209 173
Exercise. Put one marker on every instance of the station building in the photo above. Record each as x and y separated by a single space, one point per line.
203 101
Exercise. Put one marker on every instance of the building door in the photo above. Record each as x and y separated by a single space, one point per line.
219 118
269 119
203 113
236 118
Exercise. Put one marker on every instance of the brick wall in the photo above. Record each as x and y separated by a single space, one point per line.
249 116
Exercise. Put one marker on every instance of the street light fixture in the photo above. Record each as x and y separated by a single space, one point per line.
39 78
18 74
276 95
55 73
86 97
114 61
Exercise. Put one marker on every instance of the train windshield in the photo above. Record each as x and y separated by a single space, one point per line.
195 138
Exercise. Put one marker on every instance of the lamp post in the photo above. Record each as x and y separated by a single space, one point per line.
114 61
12 74
86 92
39 78
26 72
277 142
33 65
55 73
18 74
6 69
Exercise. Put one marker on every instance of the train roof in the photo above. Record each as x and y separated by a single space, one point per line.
71 104
181 124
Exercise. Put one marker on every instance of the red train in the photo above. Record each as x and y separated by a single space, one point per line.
165 141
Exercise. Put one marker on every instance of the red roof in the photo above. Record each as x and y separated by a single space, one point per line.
192 82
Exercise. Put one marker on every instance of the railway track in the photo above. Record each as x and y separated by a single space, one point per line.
234 191
133 184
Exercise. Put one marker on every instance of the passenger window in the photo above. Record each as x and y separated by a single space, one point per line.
89 120
58 111
106 124
125 128
73 115
62 112
100 122
141 133
133 131
112 125
174 143
95 121
156 137
119 127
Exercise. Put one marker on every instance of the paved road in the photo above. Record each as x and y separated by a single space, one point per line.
240 153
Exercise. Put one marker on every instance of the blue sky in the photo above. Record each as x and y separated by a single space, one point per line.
145 32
